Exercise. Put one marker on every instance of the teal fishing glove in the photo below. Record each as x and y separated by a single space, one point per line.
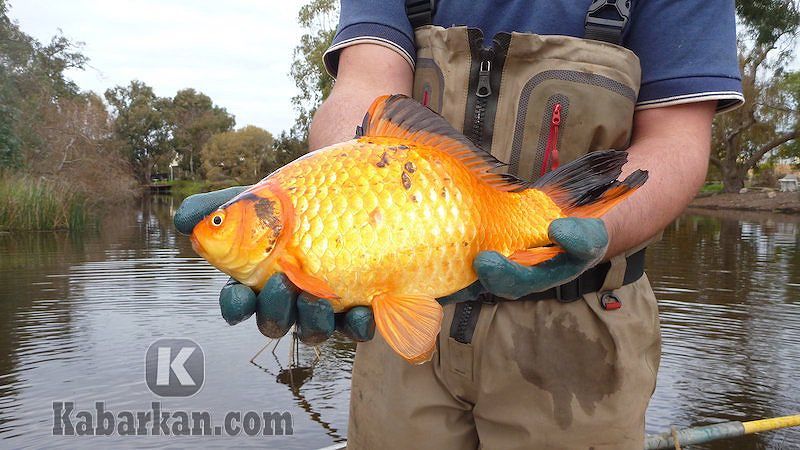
280 304
585 242
197 206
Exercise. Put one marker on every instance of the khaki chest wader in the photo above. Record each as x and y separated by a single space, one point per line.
523 374
534 102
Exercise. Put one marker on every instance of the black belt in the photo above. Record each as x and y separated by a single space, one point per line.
590 281
466 313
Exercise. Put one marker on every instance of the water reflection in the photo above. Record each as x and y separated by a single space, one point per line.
78 312
728 293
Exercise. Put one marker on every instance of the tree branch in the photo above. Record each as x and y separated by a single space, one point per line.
778 140
715 161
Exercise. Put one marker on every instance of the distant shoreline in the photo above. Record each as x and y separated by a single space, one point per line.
782 202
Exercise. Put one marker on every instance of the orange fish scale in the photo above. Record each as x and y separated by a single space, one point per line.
384 214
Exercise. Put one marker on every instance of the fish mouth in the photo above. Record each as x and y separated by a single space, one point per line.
196 245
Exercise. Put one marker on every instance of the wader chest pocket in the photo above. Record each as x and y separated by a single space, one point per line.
429 84
563 114
535 102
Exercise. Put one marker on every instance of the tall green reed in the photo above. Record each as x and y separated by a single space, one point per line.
28 203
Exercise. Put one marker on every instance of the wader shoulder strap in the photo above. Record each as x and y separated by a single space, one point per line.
606 19
420 12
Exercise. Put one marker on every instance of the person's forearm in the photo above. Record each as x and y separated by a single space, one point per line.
366 71
673 144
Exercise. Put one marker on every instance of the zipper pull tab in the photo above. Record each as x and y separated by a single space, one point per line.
551 150
484 83
556 121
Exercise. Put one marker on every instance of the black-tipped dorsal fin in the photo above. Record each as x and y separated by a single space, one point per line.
404 118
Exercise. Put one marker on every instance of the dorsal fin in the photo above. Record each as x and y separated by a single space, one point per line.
401 117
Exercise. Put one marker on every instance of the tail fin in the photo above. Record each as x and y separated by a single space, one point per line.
588 187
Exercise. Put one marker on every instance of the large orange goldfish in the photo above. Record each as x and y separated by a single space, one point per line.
394 218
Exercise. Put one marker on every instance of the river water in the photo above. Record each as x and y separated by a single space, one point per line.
78 312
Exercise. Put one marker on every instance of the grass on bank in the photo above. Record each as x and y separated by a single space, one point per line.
28 203
185 188
712 187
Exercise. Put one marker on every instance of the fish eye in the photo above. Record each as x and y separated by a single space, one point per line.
217 219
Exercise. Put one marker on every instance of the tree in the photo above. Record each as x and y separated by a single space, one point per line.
194 119
286 148
319 18
141 126
240 156
769 118
82 150
32 83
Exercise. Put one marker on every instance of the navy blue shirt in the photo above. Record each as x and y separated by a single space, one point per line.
687 48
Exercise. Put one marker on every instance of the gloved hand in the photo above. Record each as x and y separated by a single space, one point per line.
585 242
279 304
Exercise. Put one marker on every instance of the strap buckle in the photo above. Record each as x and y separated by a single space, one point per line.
569 292
420 12
605 28
622 7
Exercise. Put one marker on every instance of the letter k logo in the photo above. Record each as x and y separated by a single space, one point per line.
174 367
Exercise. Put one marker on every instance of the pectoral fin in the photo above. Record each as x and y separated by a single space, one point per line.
534 256
409 324
304 281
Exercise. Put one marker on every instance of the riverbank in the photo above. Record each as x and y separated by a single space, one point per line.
779 202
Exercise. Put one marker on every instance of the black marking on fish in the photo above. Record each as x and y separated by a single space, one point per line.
410 168
402 147
265 210
444 192
384 161
406 180
415 198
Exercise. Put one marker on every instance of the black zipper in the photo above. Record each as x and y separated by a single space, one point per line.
482 93
463 321
465 317
484 86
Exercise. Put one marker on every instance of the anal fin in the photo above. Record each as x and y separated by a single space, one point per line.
409 324
304 281
534 256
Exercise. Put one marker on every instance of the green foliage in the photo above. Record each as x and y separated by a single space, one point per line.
39 204
194 118
768 20
10 156
287 147
32 82
769 122
141 126
185 188
319 19
242 156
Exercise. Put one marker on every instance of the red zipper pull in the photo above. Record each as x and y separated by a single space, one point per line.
551 151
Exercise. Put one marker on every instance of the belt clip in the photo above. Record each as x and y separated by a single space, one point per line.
609 301
569 292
